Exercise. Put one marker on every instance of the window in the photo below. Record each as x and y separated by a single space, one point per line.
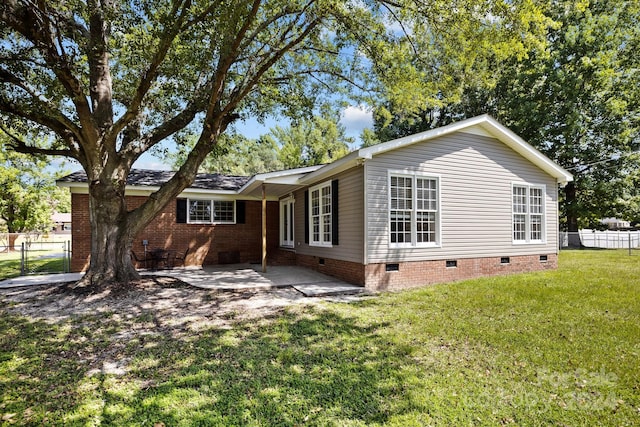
286 222
200 211
222 211
413 210
528 213
211 211
320 215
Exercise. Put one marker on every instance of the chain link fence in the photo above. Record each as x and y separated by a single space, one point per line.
24 254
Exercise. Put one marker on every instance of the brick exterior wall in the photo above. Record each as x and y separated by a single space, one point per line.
420 273
206 243
351 272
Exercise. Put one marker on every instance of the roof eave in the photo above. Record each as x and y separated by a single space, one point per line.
525 149
489 124
293 175
347 162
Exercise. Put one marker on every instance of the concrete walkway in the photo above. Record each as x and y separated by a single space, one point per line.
237 277
41 279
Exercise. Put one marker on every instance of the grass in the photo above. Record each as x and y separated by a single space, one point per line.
38 262
552 348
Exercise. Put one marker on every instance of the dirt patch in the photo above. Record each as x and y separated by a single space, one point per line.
106 328
166 301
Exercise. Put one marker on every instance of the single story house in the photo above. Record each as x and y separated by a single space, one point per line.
465 200
61 223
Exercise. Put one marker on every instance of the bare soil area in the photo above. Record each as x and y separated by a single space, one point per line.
168 301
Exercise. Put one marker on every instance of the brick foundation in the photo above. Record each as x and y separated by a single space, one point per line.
351 272
420 273
208 244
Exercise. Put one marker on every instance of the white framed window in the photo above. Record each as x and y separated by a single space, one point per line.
223 211
203 211
414 210
286 222
200 211
528 216
320 215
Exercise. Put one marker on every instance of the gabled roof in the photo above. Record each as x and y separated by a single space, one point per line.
155 178
282 182
483 125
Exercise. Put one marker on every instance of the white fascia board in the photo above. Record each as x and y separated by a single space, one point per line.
420 137
355 157
510 139
287 176
340 165
490 125
135 190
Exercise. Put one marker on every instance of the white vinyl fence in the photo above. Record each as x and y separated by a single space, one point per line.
601 239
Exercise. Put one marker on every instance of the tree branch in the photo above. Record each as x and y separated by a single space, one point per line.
34 24
40 103
414 48
242 91
21 146
179 121
152 71
226 61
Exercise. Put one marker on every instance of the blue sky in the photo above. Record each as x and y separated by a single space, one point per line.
354 119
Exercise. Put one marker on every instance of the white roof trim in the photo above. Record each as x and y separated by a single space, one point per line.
485 122
288 176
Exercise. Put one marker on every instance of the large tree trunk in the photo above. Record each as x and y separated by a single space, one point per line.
111 237
571 202
13 236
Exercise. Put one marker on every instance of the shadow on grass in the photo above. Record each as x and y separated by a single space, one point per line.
313 368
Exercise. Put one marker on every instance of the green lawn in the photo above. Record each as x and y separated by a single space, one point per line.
39 262
552 348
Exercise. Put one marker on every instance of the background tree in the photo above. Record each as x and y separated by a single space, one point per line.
309 142
236 155
28 193
575 100
112 79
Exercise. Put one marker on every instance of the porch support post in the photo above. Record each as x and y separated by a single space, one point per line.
264 229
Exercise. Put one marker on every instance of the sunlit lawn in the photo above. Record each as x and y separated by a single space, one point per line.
39 262
552 348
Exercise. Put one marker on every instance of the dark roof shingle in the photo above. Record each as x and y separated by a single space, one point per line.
155 178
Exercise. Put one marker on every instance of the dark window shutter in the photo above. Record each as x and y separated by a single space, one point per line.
334 212
306 216
181 211
241 209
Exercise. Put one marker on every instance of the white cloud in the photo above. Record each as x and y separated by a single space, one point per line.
355 119
151 161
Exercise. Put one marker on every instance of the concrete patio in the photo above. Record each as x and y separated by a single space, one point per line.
235 277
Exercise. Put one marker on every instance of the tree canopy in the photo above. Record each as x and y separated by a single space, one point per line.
113 79
307 142
28 194
576 99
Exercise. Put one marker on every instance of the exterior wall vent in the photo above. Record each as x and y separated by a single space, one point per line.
392 267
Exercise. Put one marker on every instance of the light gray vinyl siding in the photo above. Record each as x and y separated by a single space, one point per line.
350 221
476 174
